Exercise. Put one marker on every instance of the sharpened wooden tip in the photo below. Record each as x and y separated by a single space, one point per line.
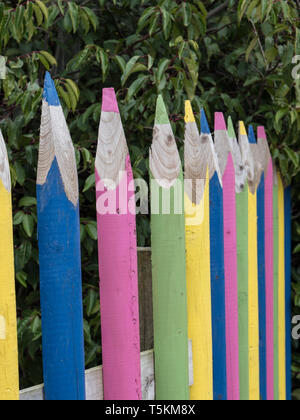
204 124
251 135
230 129
261 133
243 131
189 115
220 124
161 116
50 94
109 101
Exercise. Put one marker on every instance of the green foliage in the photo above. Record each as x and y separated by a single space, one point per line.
231 56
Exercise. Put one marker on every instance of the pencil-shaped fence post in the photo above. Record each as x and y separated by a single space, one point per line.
266 201
255 237
59 255
9 375
198 259
248 267
223 149
276 282
241 187
288 288
168 263
117 247
209 162
281 293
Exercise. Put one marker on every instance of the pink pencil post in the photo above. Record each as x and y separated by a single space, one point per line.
117 258
269 265
230 255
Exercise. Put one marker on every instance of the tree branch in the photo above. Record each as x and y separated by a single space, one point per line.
217 10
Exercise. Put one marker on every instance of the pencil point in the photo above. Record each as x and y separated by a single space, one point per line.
109 100
161 116
220 123
204 124
251 135
230 129
50 94
189 115
261 133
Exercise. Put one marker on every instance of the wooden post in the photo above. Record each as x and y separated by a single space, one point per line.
254 233
281 293
223 149
117 258
265 200
288 288
248 272
241 187
276 283
198 259
9 375
210 163
59 255
168 263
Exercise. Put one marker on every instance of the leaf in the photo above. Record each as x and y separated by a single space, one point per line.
145 18
162 67
18 218
28 224
74 88
27 202
92 17
74 15
49 57
22 277
91 229
89 183
251 47
43 9
38 14
136 86
103 58
130 68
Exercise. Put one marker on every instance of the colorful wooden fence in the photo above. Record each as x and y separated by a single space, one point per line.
221 265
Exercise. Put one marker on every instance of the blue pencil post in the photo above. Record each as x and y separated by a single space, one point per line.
59 255
288 286
217 280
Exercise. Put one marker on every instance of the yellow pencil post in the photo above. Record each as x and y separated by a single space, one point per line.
9 377
281 291
198 265
253 299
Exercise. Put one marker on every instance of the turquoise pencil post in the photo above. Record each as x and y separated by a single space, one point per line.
59 255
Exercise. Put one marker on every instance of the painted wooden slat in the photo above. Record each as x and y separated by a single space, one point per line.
281 293
262 288
198 260
242 253
168 263
254 377
59 255
276 284
94 381
267 203
223 149
288 288
117 248
9 375
217 269
249 287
